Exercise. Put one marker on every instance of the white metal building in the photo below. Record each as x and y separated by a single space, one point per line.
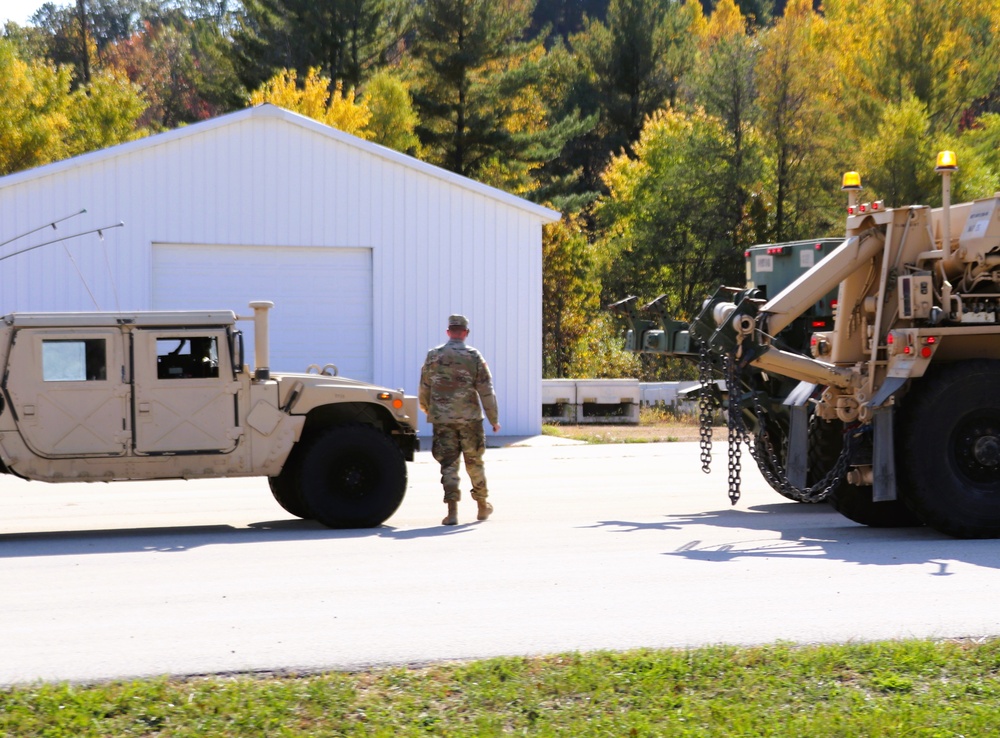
363 250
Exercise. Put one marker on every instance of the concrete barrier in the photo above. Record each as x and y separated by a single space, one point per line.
612 400
594 401
558 400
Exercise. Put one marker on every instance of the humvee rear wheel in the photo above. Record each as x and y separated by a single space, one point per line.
950 450
351 476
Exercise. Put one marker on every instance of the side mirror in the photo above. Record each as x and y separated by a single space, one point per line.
237 350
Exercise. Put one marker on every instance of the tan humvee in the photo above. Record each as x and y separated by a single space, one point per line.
166 395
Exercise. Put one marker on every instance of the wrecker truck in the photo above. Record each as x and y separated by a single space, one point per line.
893 414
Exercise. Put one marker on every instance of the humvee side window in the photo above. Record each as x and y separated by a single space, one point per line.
187 358
70 360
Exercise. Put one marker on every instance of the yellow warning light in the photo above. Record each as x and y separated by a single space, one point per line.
852 181
946 161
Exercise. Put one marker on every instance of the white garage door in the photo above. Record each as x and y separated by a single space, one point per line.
322 298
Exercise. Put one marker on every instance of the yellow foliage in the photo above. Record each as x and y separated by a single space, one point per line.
697 22
726 21
313 99
798 9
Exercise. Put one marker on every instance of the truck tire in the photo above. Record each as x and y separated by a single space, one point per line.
856 503
821 457
351 476
286 492
779 442
853 502
950 450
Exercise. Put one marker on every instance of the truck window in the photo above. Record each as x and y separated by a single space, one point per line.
187 358
69 360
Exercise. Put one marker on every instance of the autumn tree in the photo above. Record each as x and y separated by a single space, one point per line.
724 82
393 119
796 91
570 293
313 99
667 216
946 55
44 120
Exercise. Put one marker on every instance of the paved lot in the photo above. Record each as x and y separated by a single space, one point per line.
591 547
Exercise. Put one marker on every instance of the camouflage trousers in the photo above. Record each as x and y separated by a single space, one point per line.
452 441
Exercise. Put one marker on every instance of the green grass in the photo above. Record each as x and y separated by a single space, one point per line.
916 689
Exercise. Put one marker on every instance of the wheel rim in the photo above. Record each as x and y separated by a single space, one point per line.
976 448
353 477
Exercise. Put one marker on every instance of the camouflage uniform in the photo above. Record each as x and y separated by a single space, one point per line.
453 381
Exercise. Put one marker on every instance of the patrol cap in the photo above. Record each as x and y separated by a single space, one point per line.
458 321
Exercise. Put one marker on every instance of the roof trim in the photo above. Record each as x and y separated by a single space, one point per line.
268 110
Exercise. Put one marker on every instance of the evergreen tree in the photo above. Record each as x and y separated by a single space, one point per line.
476 92
621 70
345 39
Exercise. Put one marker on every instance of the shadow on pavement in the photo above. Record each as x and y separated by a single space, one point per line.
185 538
815 531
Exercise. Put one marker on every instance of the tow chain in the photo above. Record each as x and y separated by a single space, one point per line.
767 458
706 406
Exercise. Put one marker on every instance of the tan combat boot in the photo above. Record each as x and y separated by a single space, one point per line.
452 517
485 509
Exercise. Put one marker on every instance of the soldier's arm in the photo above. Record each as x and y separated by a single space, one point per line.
484 386
424 396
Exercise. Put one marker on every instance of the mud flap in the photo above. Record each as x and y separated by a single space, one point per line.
884 457
797 463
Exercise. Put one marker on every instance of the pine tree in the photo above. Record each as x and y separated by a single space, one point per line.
345 39
477 92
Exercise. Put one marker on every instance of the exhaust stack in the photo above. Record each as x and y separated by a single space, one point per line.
261 340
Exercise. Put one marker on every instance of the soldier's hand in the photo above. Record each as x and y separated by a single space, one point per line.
496 427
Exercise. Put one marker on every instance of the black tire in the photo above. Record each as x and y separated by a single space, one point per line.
778 435
350 476
857 503
950 448
285 491
824 444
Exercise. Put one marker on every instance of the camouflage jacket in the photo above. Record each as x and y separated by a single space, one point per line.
453 381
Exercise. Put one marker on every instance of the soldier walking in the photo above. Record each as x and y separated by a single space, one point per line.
453 382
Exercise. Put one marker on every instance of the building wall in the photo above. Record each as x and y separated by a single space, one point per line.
267 179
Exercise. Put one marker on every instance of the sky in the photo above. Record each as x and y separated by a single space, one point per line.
20 10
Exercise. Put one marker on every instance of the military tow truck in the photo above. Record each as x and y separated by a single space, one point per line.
770 268
89 397
895 411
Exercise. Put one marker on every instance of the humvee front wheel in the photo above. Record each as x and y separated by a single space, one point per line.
351 476
286 492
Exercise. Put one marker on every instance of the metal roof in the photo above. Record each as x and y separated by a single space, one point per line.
271 111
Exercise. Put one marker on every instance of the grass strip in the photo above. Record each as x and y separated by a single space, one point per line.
916 689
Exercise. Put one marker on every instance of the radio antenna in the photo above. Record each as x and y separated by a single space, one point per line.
42 227
98 231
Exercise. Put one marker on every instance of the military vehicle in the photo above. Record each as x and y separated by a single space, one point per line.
770 268
100 396
898 405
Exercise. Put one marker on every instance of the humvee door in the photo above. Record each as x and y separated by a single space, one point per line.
185 391
68 391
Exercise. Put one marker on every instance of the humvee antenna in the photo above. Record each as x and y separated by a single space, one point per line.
42 227
98 231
